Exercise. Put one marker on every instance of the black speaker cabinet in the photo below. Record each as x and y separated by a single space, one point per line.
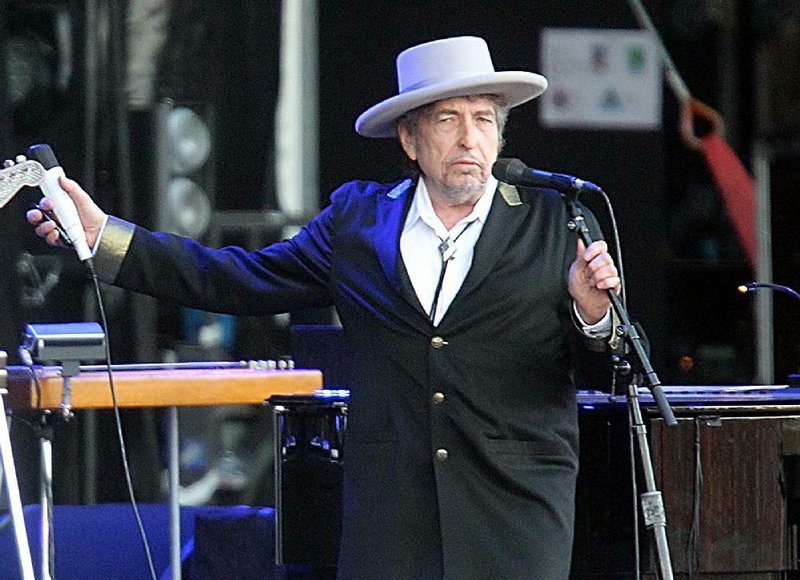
309 441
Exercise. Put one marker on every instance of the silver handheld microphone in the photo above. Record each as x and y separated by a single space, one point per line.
65 209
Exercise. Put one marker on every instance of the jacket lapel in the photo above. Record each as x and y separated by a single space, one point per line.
507 213
391 211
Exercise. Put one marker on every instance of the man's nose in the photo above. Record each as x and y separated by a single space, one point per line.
469 134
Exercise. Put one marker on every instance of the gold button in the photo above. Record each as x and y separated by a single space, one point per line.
438 398
438 342
441 454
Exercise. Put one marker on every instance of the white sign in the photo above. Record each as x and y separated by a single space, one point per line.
600 79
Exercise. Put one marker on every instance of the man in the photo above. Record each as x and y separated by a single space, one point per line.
463 302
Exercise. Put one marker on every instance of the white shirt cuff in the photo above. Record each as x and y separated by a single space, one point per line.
600 329
99 236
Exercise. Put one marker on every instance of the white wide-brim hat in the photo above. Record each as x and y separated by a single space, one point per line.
451 67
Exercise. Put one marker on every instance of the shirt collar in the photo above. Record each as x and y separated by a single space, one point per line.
422 208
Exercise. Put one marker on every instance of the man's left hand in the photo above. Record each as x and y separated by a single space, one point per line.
591 275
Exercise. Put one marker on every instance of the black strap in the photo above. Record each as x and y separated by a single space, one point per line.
447 249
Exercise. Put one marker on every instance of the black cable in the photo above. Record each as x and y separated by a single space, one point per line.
634 497
631 437
116 17
118 422
617 245
618 260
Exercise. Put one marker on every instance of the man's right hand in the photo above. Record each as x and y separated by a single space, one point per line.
92 217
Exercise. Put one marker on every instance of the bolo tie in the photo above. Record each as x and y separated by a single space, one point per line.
447 249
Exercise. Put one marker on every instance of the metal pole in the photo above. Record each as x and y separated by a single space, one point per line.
46 502
765 363
12 486
174 498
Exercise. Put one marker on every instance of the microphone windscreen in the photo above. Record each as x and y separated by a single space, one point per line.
509 170
43 153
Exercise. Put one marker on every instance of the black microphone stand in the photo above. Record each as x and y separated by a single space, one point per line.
651 500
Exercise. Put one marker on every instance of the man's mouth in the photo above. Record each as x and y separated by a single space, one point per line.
464 163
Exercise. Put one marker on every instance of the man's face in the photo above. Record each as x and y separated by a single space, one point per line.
455 146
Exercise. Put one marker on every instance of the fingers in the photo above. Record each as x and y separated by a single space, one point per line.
607 278
595 249
45 227
597 266
43 215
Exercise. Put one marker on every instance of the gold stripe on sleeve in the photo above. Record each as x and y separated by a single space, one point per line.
114 243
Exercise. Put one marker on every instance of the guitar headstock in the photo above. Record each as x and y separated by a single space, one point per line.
16 176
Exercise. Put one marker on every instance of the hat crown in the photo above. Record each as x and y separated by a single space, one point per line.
444 69
441 60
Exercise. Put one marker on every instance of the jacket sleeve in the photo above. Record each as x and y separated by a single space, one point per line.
284 276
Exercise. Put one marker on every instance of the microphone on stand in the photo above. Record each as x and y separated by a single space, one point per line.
794 379
515 172
753 286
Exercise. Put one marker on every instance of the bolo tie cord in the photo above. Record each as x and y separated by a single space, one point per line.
447 249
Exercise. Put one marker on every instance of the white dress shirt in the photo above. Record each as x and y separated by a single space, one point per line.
422 234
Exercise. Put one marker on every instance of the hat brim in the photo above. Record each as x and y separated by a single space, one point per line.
515 87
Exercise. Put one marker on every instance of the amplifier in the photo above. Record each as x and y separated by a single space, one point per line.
749 433
309 451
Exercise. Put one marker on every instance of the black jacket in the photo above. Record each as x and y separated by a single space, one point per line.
461 449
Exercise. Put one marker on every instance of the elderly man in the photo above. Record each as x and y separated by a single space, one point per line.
468 306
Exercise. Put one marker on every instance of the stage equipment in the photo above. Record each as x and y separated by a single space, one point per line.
66 213
516 172
641 370
753 286
68 344
739 442
183 171
158 385
309 445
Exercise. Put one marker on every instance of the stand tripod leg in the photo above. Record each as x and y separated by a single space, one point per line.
652 503
14 501
46 501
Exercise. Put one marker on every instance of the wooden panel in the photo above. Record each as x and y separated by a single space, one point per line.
730 492
158 388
